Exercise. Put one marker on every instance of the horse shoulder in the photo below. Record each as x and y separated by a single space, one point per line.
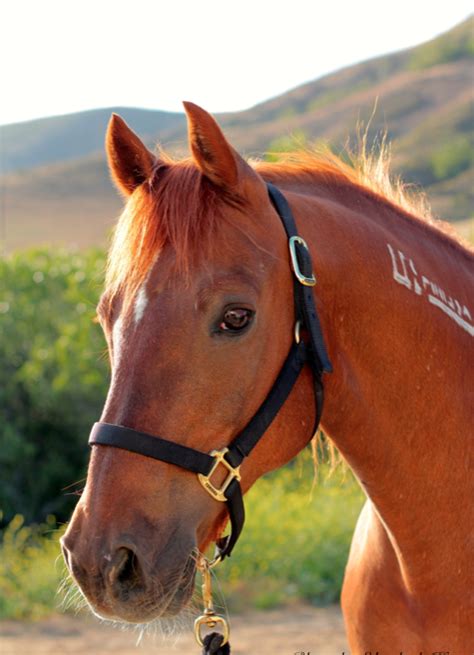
377 610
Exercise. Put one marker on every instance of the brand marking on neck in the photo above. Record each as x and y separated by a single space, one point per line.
405 273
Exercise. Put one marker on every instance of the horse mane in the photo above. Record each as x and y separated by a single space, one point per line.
368 171
180 207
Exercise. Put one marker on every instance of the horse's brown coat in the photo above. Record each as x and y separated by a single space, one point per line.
399 405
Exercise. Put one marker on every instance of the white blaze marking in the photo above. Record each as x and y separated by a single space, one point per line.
117 340
141 301
118 337
429 289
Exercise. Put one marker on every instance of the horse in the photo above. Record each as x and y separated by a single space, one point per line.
198 315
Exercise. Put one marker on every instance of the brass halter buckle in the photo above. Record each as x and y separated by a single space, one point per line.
209 618
234 473
307 281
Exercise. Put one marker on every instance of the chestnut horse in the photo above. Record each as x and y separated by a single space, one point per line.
198 314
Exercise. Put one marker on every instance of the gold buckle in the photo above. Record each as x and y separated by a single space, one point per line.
307 281
234 473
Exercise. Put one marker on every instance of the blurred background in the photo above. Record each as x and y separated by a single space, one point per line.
278 76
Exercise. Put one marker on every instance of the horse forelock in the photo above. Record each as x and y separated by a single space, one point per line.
179 207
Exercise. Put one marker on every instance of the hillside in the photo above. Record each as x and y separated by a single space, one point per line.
55 185
63 138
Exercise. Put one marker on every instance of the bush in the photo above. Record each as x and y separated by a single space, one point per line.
53 377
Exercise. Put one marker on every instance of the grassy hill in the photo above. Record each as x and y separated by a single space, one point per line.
62 138
55 185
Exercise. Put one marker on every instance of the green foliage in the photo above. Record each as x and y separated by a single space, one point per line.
442 161
294 547
456 44
288 112
53 377
334 95
453 158
30 570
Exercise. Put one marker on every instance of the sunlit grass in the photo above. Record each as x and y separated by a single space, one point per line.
30 570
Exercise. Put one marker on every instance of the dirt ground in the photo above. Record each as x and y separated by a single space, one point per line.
301 631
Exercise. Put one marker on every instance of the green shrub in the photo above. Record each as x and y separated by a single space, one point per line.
53 377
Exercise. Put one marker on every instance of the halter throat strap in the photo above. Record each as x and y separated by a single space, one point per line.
312 352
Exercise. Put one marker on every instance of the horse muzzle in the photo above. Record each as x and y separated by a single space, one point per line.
124 582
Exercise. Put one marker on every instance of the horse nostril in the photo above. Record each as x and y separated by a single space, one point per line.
125 574
128 569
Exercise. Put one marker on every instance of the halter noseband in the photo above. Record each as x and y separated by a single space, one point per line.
301 353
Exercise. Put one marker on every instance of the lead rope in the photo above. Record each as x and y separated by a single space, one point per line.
214 643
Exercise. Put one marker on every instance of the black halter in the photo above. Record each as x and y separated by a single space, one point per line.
312 352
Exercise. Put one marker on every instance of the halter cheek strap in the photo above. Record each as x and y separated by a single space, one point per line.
205 465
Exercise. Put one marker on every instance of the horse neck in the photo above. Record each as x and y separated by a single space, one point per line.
396 404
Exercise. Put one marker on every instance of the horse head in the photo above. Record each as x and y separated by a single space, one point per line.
198 315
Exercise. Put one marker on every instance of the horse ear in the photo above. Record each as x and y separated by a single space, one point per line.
130 162
212 153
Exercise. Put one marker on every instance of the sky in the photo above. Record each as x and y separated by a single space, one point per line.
60 56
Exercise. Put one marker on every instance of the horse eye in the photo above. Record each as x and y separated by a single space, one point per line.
235 319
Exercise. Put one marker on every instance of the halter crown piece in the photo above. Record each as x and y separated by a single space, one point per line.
312 352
